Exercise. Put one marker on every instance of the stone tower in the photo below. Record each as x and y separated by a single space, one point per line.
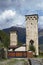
32 31
13 38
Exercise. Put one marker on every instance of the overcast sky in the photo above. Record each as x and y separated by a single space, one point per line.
12 12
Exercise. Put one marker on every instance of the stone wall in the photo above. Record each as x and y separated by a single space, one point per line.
32 31
13 38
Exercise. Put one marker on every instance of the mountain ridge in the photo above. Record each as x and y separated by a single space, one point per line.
22 33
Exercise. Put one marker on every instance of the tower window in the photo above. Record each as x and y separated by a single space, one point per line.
31 23
35 18
30 17
26 18
31 42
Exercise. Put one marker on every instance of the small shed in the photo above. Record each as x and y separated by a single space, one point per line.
22 48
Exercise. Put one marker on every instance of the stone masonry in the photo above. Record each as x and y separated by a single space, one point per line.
13 38
32 31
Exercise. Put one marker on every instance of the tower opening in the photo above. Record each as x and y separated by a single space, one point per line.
31 42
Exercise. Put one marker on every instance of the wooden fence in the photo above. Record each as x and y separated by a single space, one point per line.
19 54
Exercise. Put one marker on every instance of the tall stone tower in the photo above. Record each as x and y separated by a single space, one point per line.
13 38
32 31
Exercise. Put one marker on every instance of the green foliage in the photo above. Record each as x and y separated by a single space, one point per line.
32 48
2 55
4 39
1 45
19 43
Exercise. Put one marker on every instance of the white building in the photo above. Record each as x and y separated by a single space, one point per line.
22 48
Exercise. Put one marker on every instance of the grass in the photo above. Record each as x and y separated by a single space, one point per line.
40 56
25 63
11 61
14 61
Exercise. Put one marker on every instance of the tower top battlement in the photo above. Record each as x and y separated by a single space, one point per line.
32 17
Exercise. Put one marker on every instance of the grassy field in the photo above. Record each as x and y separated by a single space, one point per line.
40 56
13 62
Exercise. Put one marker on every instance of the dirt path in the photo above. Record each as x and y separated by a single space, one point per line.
36 61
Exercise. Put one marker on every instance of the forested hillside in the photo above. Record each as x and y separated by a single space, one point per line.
4 39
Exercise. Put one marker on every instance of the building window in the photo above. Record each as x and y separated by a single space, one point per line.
31 23
35 18
31 42
30 17
26 18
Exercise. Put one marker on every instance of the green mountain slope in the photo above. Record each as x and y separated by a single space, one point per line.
4 39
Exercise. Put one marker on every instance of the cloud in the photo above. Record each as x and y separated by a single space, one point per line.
40 5
12 12
40 23
21 6
7 14
10 18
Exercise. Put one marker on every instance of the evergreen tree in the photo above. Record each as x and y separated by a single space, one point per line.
4 39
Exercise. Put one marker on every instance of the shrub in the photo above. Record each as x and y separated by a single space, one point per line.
32 48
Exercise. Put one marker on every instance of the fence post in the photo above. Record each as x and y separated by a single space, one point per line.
5 52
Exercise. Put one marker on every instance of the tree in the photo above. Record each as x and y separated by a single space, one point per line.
32 48
19 43
4 37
